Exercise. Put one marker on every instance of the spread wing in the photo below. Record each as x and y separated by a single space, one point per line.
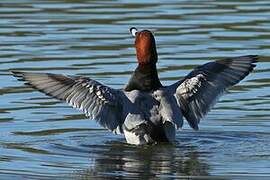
200 89
97 101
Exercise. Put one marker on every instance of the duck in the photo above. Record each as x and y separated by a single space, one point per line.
145 111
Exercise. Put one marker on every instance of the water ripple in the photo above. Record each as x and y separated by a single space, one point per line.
42 138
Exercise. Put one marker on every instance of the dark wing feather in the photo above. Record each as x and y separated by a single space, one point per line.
200 89
97 101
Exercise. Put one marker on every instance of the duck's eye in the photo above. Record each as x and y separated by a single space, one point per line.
133 31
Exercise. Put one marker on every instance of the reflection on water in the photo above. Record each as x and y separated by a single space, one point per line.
121 160
41 138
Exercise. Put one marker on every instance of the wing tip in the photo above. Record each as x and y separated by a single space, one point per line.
196 128
254 59
251 59
193 122
18 74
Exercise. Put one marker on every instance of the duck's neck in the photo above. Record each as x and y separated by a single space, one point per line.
144 78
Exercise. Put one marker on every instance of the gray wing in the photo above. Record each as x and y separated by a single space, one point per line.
200 89
97 101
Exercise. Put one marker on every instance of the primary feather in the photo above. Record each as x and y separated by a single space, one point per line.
200 89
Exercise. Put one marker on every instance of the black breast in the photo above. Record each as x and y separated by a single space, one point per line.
144 78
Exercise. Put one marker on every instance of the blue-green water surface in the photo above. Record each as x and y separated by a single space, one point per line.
42 138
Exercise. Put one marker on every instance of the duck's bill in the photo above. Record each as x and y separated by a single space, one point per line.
133 31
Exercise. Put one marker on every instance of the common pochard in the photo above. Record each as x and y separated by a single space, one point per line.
145 111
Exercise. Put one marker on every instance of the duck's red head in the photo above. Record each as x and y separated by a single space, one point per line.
145 46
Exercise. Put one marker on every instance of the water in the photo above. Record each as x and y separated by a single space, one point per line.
42 138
